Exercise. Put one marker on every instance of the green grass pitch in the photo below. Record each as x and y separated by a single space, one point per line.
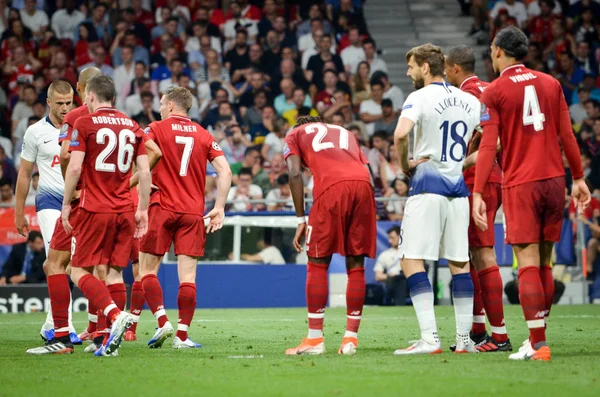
243 356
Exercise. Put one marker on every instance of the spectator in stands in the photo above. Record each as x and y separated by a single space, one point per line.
360 83
251 160
352 9
589 84
99 22
147 108
514 8
99 61
237 22
340 103
309 40
39 110
592 108
219 110
124 73
337 119
253 114
354 53
211 57
179 11
142 15
133 103
268 180
282 192
577 109
65 20
585 59
370 110
387 270
314 12
132 24
268 255
245 190
562 42
378 152
593 143
251 87
388 120
7 197
273 50
299 99
330 86
390 91
540 26
176 72
398 194
267 125
173 32
200 41
235 143
34 19
285 37
20 68
586 31
285 101
569 75
25 262
273 143
24 108
375 63
160 27
140 54
288 70
64 69
237 59
269 13
314 70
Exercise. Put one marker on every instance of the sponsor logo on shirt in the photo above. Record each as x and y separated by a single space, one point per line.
74 141
485 113
407 107
147 130
216 146
63 131
286 149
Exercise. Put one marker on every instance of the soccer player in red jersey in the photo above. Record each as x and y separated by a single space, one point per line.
103 147
177 210
342 220
528 111
485 273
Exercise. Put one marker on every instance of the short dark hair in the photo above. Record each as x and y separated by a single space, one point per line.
594 103
34 235
141 63
377 82
147 94
395 229
283 179
513 42
463 56
380 134
430 54
369 41
5 181
307 120
387 102
172 19
245 171
103 87
250 150
303 111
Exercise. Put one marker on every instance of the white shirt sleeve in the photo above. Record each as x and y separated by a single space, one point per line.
411 108
29 150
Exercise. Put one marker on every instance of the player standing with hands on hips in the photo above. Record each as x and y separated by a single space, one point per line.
528 111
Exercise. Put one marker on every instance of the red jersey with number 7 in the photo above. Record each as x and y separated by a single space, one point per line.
111 141
181 173
330 152
526 105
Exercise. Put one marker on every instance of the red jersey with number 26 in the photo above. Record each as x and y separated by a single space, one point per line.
331 152
527 106
111 141
181 173
475 87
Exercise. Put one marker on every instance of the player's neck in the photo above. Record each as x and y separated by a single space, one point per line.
434 79
466 77
55 121
178 114
101 105
509 63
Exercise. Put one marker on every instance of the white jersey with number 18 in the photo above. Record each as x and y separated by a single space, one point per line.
444 118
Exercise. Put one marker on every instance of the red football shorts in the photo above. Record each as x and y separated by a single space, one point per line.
135 250
185 231
61 240
342 221
102 239
492 195
533 211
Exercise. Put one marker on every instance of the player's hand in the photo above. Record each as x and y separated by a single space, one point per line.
22 225
300 233
64 216
141 223
479 212
216 216
412 164
581 195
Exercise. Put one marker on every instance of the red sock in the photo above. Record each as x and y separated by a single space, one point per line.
491 294
548 284
118 293
96 292
102 324
92 318
531 295
60 297
154 298
355 298
186 302
478 326
136 303
317 293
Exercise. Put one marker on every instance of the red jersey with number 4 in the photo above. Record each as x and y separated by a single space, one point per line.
111 141
475 87
526 106
331 152
181 173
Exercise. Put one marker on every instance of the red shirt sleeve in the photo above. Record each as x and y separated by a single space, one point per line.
78 137
567 138
150 131
214 150
489 120
291 145
140 140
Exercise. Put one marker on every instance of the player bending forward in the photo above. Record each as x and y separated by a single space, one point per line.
103 147
436 216
177 209
342 220
485 273
527 109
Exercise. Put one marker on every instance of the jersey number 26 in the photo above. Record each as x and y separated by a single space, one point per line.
106 136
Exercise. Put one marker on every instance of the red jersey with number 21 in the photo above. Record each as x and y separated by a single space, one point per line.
111 141
181 173
331 152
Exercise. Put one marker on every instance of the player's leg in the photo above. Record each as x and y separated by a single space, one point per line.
47 221
478 329
420 239
186 300
355 300
136 301
546 276
462 297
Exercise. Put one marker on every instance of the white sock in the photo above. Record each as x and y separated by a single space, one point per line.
463 310
71 327
315 333
350 334
49 324
423 304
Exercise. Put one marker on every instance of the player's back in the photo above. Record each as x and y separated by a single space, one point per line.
69 121
445 118
529 108
111 142
181 173
330 152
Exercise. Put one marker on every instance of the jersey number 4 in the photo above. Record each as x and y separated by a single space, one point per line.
108 137
321 131
531 109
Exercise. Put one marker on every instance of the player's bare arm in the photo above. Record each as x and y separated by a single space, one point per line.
71 178
297 188
154 156
65 156
23 183
217 214
145 180
485 161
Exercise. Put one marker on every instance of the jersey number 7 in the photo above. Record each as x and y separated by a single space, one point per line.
188 141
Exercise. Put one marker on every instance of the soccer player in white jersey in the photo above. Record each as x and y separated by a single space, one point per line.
40 147
436 216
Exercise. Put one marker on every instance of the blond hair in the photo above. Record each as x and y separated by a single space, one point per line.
180 96
60 87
